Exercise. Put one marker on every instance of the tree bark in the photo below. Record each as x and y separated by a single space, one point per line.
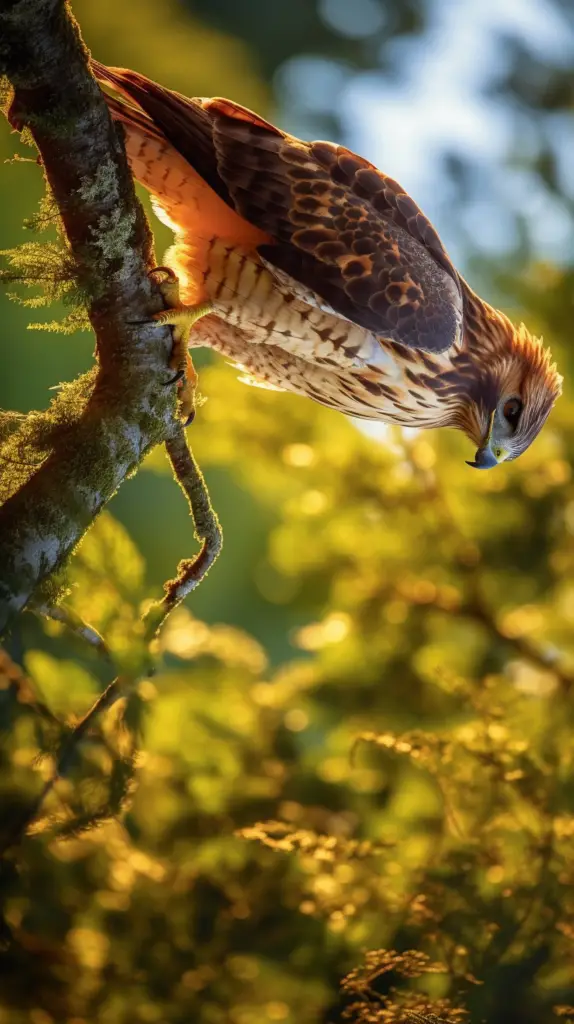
125 407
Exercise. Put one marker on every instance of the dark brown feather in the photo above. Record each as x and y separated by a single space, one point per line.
340 227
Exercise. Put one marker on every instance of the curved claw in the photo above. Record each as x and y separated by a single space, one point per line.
175 380
189 419
163 270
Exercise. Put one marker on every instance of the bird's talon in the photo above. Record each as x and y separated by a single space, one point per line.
175 380
163 270
169 287
182 319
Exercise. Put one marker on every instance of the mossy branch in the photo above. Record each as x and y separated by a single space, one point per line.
123 408
207 529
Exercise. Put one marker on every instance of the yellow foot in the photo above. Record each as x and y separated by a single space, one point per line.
182 319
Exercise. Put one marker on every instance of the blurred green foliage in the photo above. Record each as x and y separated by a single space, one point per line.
348 792
404 782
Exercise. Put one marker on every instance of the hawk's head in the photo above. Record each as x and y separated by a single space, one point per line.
514 388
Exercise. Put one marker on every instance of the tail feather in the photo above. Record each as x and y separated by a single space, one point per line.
183 198
132 117
182 121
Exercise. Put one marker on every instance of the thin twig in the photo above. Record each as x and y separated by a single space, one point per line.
23 689
65 758
476 607
420 1018
71 620
190 571
545 658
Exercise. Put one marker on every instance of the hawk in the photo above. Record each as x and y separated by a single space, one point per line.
316 273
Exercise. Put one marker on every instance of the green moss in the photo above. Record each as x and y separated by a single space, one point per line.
53 589
47 215
10 423
25 441
76 320
6 93
50 268
53 124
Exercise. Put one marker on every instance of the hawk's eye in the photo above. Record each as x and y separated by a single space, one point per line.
511 410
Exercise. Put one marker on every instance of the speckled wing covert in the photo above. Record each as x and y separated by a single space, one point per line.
340 228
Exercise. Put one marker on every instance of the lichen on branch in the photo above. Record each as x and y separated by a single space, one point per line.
61 465
63 469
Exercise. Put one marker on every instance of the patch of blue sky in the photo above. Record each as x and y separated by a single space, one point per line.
439 103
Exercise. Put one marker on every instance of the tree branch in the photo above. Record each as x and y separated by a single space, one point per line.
207 529
125 408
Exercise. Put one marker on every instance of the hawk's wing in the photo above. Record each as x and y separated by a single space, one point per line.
340 227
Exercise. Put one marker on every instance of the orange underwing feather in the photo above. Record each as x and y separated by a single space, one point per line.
181 197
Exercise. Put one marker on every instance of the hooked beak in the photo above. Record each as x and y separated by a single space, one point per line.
487 457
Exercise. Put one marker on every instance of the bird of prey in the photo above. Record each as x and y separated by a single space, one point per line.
316 273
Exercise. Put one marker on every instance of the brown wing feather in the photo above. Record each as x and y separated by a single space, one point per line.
340 227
